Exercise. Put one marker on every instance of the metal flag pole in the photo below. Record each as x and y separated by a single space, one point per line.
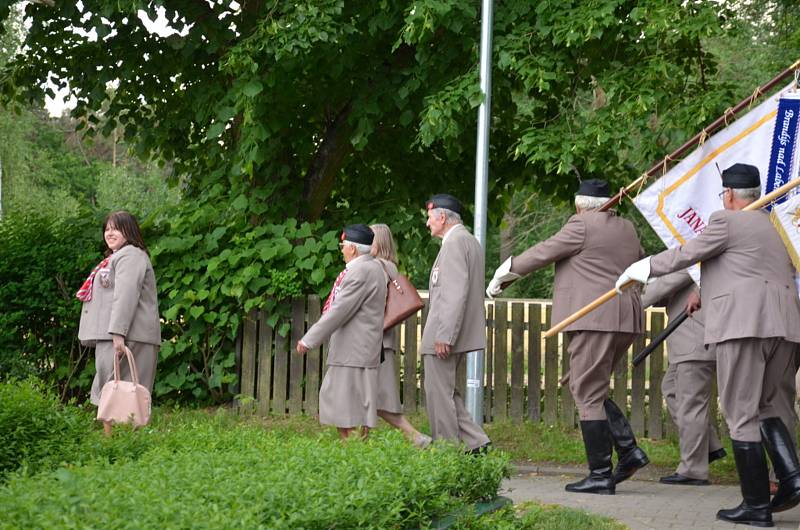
475 368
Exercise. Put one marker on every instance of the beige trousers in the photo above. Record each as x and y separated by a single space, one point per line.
687 389
593 355
753 379
144 355
448 417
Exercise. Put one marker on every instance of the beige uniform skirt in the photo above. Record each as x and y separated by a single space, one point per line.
348 397
388 392
144 355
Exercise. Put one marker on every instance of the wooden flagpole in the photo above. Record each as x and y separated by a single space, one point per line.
755 205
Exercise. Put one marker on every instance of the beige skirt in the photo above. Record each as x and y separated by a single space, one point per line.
388 392
144 355
348 397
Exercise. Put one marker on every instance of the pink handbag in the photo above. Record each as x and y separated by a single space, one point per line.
124 401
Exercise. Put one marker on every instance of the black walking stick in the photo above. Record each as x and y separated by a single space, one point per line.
672 326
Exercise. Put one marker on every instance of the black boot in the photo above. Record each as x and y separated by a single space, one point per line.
751 464
631 458
782 452
597 441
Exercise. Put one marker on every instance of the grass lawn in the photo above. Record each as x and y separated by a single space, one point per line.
529 442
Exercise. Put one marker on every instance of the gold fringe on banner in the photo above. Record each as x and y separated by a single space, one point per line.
786 241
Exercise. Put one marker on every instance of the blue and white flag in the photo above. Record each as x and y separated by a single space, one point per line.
781 168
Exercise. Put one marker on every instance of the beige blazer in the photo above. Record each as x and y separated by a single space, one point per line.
748 288
354 321
686 342
124 301
389 334
590 252
456 289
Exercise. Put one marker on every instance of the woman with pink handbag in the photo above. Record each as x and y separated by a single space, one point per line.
119 313
388 401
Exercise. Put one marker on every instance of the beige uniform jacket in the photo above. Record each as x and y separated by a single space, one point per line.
686 342
590 252
456 288
354 321
748 288
124 301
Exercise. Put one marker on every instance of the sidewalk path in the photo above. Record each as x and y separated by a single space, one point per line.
640 504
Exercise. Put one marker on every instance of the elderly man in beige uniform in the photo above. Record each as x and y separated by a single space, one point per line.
753 317
687 384
456 323
589 253
352 319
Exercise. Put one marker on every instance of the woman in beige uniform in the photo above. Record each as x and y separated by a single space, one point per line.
120 307
388 401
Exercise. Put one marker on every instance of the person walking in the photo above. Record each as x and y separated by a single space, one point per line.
686 385
589 252
390 409
752 315
120 307
456 323
352 321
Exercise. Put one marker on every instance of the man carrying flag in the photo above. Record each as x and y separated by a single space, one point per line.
753 317
589 252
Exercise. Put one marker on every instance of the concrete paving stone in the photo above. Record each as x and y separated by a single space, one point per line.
639 504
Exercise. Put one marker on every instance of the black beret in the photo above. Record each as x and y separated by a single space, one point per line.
593 188
443 200
741 176
359 233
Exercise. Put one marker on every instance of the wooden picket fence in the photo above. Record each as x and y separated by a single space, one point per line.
522 369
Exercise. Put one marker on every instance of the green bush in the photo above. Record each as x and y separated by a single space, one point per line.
36 430
42 263
200 471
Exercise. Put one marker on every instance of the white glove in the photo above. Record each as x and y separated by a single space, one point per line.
501 275
638 271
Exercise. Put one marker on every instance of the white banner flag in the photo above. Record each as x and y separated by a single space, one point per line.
679 204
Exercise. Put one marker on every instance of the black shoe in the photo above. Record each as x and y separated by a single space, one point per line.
597 441
713 456
783 454
751 464
631 456
677 478
480 451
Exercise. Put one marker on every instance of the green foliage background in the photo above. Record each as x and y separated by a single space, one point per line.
278 123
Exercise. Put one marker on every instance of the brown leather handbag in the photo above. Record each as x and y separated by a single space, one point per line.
402 300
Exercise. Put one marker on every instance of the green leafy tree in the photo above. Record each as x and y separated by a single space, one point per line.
277 114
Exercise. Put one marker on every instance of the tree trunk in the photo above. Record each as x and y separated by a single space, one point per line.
326 163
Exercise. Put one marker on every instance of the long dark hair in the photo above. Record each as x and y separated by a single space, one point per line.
127 225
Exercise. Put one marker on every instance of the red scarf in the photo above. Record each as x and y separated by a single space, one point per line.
334 291
84 294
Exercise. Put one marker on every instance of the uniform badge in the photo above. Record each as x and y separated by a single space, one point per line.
105 277
435 276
